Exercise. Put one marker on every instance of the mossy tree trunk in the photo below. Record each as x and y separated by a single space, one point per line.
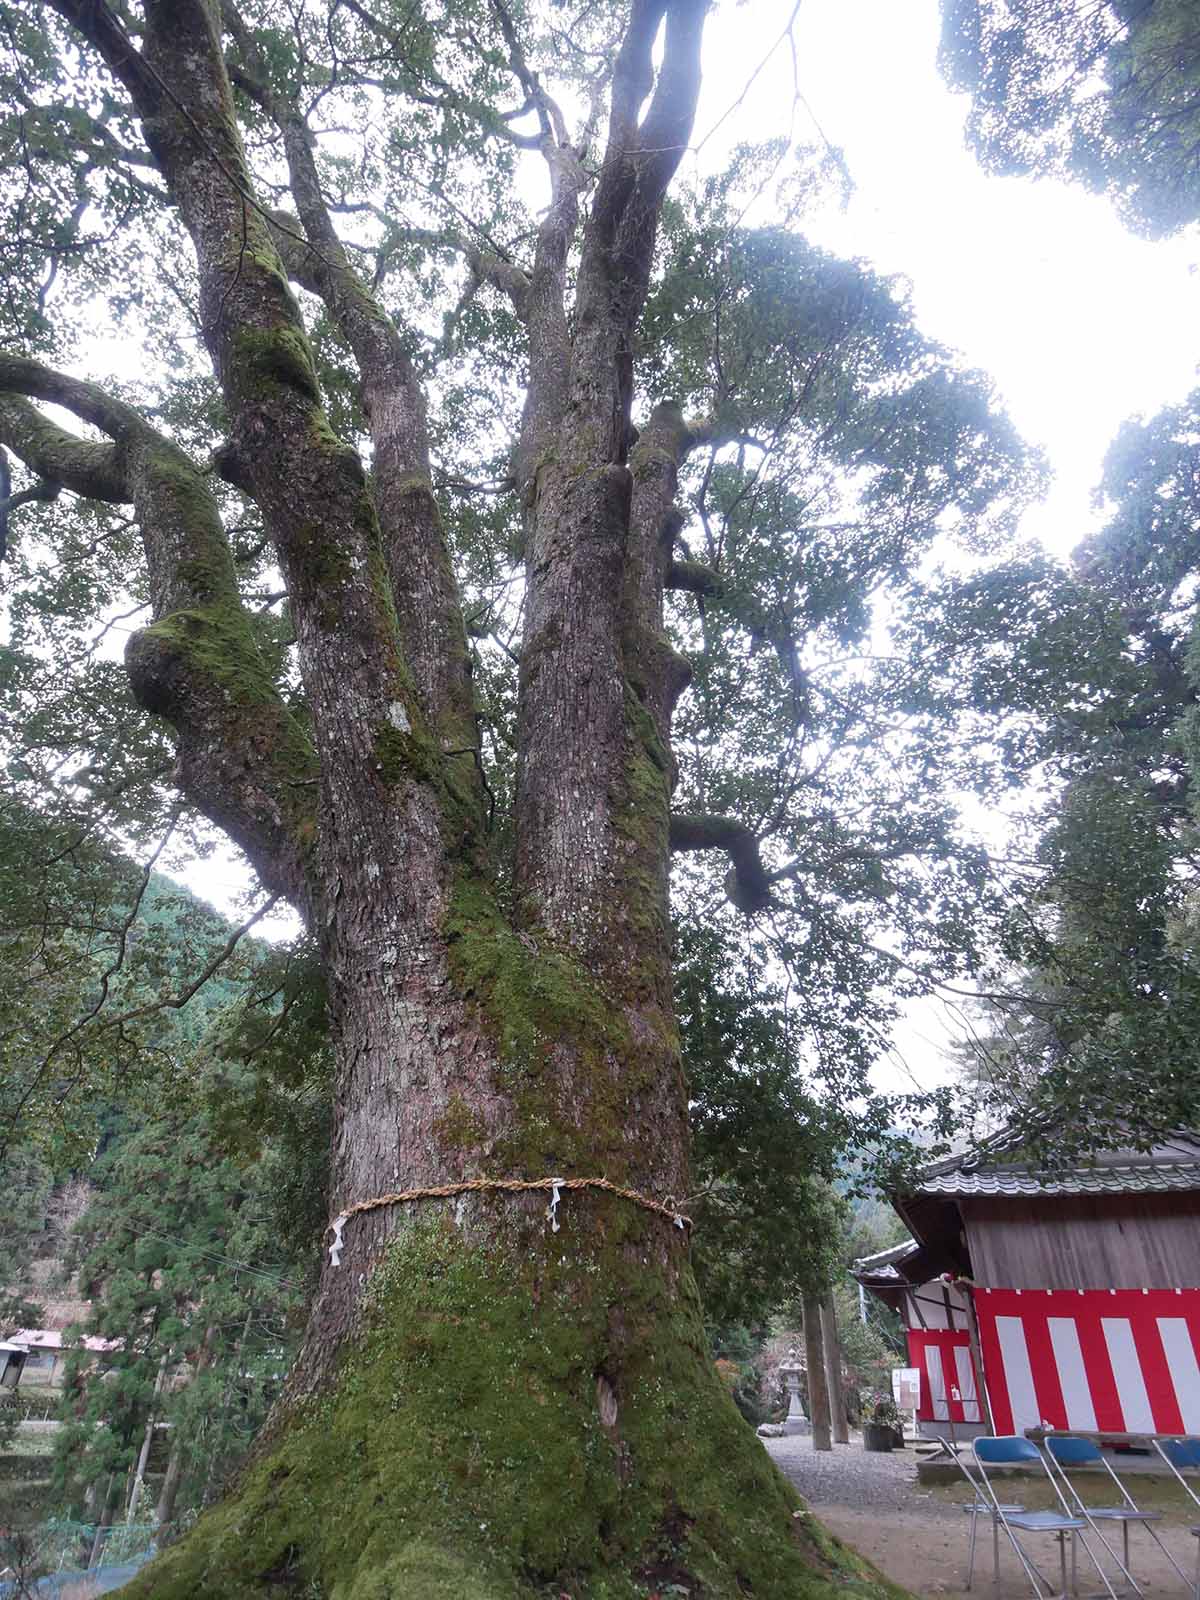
485 1405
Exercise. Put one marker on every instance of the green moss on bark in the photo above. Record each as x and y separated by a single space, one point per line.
462 1451
533 994
212 651
405 752
268 357
641 814
218 641
567 1057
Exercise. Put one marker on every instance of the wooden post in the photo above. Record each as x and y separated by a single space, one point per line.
985 1409
814 1360
833 1372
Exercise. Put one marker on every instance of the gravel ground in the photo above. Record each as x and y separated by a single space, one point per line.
852 1477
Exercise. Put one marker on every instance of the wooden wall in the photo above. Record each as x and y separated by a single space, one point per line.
1147 1241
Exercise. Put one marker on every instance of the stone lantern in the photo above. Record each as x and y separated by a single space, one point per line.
790 1370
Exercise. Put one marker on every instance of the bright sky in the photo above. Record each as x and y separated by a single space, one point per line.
1077 322
1038 284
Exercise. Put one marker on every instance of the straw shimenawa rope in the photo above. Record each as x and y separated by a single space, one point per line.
445 1191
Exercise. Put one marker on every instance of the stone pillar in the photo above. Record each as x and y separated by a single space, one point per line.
814 1360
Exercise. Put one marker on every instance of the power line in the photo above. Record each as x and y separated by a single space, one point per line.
215 1255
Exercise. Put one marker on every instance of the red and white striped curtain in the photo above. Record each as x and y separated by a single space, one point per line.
1124 1360
943 1358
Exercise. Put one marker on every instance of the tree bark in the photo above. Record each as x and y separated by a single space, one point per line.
814 1361
165 1508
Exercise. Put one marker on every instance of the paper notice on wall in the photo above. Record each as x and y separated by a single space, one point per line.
906 1388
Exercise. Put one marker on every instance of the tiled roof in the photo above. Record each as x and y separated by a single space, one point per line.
877 1275
882 1268
1174 1166
1134 1178
886 1258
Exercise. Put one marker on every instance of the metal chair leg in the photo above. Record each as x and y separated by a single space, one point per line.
971 1553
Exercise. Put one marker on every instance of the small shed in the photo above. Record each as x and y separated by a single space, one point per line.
1075 1291
46 1351
12 1363
936 1316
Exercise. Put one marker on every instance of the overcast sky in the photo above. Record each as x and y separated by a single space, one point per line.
1077 322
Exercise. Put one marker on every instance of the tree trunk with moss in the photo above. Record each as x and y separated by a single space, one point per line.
490 1401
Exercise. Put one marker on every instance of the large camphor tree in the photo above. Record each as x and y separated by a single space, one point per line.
422 677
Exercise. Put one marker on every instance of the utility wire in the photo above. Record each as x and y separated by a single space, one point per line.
214 1255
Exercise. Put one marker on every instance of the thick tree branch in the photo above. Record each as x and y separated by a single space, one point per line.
422 581
694 577
545 314
58 458
658 670
638 165
667 125
587 558
544 301
198 664
748 884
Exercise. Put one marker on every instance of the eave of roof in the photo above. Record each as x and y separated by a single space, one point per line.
1173 1167
52 1339
1136 1178
888 1257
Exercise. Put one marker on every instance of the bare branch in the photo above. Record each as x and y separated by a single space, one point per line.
447 97
549 115
748 884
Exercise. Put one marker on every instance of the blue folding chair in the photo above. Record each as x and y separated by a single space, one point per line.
978 1506
1013 1451
1183 1455
1066 1450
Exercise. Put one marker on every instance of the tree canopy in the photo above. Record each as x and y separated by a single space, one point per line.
830 447
1094 1024
1108 94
